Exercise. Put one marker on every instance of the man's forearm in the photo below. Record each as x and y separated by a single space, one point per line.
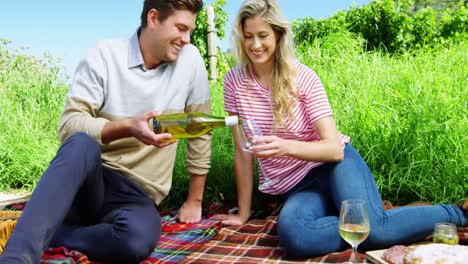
197 186
114 130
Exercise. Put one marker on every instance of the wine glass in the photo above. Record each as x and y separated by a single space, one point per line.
354 224
246 138
243 139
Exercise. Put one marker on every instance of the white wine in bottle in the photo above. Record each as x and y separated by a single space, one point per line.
191 125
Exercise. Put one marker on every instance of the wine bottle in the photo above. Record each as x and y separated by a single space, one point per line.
191 125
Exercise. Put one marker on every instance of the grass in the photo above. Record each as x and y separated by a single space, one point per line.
406 114
31 99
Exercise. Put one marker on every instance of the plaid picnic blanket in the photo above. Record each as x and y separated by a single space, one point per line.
463 235
177 241
206 242
64 256
257 242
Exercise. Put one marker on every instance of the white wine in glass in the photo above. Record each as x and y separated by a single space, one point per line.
354 224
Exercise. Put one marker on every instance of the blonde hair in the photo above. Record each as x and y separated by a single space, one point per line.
284 92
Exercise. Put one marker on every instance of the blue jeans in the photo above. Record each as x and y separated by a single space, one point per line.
82 205
308 221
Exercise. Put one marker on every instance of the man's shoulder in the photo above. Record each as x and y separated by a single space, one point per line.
108 49
190 50
104 51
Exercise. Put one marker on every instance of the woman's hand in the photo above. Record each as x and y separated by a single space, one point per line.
269 147
328 149
229 219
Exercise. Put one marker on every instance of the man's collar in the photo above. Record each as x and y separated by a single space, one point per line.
135 58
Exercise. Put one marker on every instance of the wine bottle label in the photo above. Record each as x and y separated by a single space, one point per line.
231 120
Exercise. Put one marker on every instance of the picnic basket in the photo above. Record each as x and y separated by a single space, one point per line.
8 220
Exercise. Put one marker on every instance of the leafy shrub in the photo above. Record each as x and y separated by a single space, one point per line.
391 25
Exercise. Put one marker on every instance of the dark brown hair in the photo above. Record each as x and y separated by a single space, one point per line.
167 7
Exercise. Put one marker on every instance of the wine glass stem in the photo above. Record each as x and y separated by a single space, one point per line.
354 257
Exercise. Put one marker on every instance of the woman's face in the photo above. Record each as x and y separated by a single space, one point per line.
259 41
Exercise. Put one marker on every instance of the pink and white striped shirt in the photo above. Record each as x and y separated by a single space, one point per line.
249 98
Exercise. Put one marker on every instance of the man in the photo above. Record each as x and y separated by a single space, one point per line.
98 194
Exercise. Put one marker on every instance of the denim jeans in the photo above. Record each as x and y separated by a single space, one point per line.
308 221
82 205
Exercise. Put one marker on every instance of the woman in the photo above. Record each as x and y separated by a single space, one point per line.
304 157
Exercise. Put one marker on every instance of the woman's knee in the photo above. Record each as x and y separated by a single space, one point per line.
305 233
299 241
290 238
352 161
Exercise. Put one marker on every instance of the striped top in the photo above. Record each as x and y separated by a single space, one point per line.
246 96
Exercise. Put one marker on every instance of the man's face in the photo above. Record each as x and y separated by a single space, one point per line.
172 34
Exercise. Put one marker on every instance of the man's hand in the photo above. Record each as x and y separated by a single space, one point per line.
140 130
229 219
189 212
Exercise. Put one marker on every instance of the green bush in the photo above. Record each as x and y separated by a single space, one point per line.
454 24
390 25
